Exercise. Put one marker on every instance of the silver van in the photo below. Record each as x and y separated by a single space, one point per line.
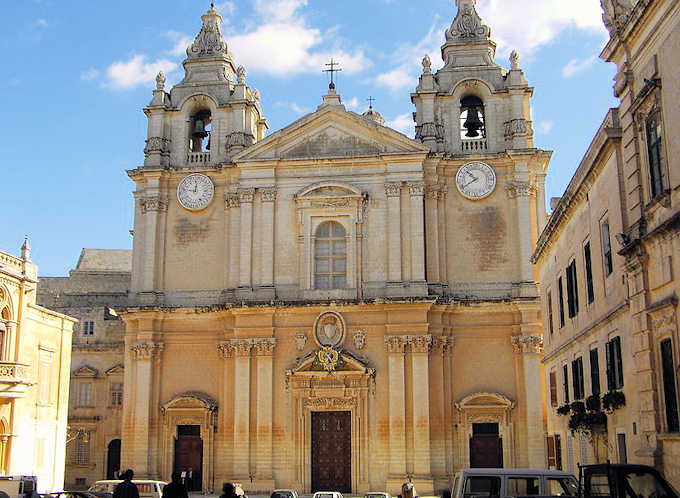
513 483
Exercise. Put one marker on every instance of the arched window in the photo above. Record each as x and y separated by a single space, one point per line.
472 119
201 125
330 256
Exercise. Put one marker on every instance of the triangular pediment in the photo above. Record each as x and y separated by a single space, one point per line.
86 371
331 131
116 370
347 365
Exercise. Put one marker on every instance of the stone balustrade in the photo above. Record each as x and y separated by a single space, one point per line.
198 158
13 379
474 145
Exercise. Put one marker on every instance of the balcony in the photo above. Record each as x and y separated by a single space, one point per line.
478 145
198 158
13 379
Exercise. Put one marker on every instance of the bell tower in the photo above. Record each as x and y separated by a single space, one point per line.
472 105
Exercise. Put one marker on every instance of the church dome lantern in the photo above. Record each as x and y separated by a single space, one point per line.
373 115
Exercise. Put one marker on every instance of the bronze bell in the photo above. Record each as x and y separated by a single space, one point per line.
199 128
472 123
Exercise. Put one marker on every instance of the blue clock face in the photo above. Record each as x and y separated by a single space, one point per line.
476 180
195 191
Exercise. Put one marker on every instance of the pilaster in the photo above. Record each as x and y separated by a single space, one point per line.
397 407
393 193
234 239
268 204
242 351
432 216
264 351
522 190
246 197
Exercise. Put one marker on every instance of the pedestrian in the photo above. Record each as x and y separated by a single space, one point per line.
175 489
127 488
408 490
190 479
228 491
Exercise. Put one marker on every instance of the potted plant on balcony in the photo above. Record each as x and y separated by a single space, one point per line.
613 400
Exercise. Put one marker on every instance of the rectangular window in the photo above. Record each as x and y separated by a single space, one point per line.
117 394
654 153
552 463
572 290
565 383
88 328
607 249
560 291
614 364
594 372
669 389
577 378
550 313
589 273
85 394
82 449
553 389
621 443
558 452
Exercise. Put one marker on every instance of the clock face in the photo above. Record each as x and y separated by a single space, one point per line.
476 180
195 191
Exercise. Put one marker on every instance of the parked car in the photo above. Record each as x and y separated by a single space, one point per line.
78 494
147 488
284 493
376 494
327 494
510 483
623 481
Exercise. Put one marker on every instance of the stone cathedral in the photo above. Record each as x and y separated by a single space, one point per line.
334 305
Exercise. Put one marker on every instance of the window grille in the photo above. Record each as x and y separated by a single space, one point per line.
330 256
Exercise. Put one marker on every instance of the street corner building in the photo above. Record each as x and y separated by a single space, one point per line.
35 359
332 306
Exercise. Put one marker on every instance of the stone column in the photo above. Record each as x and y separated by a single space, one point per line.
397 409
420 376
234 240
246 201
521 191
268 203
223 454
393 229
137 441
417 191
441 233
530 346
541 214
264 349
152 207
432 224
242 349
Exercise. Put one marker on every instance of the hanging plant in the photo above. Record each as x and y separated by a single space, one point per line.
564 410
593 403
578 407
588 423
613 400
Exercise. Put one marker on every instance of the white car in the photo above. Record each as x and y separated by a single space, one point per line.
327 494
147 488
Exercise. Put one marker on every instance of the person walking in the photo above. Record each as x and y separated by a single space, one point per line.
175 489
127 488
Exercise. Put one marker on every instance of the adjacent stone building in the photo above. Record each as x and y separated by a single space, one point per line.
333 306
35 358
608 259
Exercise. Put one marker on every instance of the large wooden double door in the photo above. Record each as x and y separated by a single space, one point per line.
332 451
189 456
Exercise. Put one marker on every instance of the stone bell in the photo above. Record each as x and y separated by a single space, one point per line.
472 123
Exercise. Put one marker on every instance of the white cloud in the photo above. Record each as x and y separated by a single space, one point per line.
89 75
297 109
403 123
576 66
352 104
129 74
544 127
42 23
181 42
14 82
225 8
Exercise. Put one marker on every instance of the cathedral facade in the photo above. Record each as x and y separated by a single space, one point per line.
334 305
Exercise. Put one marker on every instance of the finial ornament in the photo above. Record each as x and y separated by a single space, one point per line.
209 42
256 95
160 80
616 14
467 25
514 60
241 75
26 249
427 64
332 70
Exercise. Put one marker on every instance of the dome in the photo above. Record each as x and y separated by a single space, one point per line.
373 115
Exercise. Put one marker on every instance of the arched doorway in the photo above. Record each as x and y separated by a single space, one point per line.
113 459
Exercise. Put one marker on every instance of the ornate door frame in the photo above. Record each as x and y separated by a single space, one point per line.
311 388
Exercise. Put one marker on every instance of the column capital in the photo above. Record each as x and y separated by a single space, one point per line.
264 346
416 188
259 346
432 191
154 204
527 343
520 189
268 194
395 344
231 200
225 350
146 350
445 344
393 189
411 343
246 195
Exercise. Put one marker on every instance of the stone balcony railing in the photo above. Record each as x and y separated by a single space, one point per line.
478 145
13 379
11 262
197 158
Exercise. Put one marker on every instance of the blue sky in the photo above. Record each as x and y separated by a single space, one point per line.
76 75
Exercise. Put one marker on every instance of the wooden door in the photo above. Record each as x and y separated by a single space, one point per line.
189 455
332 451
113 460
486 447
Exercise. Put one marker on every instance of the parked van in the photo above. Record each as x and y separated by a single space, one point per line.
147 489
513 483
18 486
